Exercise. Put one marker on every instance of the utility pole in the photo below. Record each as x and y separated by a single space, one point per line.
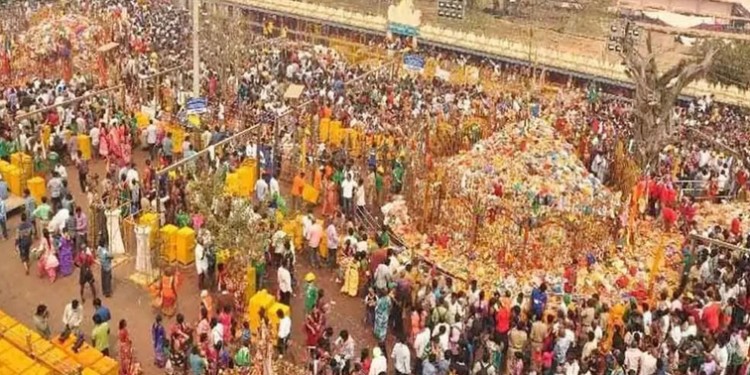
196 52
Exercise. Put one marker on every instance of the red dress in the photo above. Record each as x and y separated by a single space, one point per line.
313 328
127 363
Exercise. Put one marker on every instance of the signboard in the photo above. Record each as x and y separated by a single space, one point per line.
404 18
414 62
196 105
294 91
402 29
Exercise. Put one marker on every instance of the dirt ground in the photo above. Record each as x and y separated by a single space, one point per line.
20 294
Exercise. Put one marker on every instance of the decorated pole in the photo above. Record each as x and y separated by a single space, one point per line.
5 61
196 51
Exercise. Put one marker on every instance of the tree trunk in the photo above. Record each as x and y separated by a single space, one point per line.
656 94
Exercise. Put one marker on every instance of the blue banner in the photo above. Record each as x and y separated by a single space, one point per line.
402 29
196 105
414 62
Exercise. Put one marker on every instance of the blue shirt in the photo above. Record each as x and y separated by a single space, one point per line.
105 258
538 301
103 313
428 368
30 206
197 364
166 146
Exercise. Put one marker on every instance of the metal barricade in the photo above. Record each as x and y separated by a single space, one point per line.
699 190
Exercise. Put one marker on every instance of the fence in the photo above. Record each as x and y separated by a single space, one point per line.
701 190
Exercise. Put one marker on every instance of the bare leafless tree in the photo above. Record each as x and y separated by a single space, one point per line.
656 93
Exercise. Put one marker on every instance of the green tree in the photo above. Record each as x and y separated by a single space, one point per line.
731 66
229 220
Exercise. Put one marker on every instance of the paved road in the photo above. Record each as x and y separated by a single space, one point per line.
20 294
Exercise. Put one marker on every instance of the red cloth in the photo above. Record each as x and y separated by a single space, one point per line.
101 64
84 258
622 281
502 320
5 65
654 189
741 177
570 279
711 315
378 257
736 226
226 321
669 215
667 195
497 189
688 211
52 118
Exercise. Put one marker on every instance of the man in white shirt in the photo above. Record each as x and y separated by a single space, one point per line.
633 357
273 186
421 341
361 202
332 240
217 331
307 222
151 131
721 355
284 279
278 240
691 330
383 275
648 363
347 193
676 332
442 332
379 364
589 346
201 264
401 356
73 316
363 246
344 345
261 189
285 330
131 174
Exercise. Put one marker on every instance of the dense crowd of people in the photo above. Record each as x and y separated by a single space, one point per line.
424 322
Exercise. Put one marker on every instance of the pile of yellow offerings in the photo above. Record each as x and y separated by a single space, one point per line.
19 176
552 211
709 215
25 352
262 301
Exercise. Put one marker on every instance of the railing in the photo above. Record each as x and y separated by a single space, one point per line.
699 190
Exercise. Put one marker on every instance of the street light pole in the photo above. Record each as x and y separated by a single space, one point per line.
196 52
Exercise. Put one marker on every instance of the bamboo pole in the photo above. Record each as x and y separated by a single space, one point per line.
206 150
69 102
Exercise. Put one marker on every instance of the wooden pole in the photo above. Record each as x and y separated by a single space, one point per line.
69 102
206 150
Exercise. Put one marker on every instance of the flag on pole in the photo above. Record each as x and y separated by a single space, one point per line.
7 45
6 55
